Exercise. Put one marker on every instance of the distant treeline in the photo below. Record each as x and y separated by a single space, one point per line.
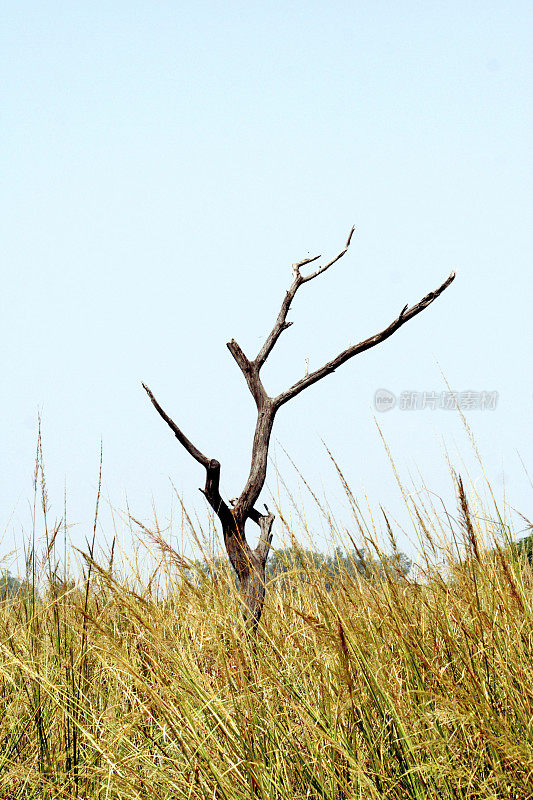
284 562
292 561
525 547
9 585
297 560
336 564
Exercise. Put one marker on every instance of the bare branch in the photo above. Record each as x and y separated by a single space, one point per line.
180 436
244 505
250 372
349 239
263 548
405 315
304 262
322 269
258 467
238 355
211 465
281 323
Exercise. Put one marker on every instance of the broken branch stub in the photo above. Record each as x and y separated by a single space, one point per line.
250 564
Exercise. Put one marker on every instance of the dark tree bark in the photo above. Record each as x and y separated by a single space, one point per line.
250 564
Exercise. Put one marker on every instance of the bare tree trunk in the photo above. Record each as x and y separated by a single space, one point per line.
249 564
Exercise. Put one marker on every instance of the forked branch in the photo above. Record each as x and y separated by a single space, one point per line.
405 315
281 323
266 406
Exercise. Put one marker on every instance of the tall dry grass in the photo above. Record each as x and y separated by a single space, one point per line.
381 687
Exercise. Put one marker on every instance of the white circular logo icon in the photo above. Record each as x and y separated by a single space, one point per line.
384 400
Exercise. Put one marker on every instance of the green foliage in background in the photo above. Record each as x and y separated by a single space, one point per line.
9 585
525 547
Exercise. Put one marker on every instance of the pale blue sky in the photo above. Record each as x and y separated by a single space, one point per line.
163 164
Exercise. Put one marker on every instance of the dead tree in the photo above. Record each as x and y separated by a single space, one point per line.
250 564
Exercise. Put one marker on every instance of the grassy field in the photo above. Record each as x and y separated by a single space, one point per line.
379 686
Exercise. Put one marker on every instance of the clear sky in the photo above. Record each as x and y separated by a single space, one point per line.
164 163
